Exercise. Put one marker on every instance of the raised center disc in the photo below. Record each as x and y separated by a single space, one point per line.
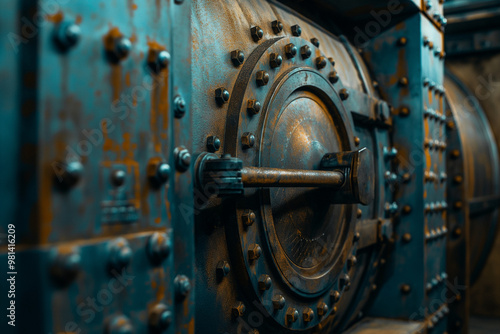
306 224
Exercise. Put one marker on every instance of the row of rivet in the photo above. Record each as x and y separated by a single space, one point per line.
438 52
437 316
436 233
435 207
432 114
433 87
435 144
434 282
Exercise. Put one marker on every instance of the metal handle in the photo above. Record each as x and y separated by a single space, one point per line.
350 175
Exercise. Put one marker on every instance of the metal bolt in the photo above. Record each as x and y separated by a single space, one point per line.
159 246
403 82
278 302
333 77
402 41
163 59
257 33
321 62
221 96
237 57
277 26
344 281
407 237
253 107
119 325
262 78
390 153
290 50
275 60
182 286
222 269
437 52
179 106
308 314
351 261
457 232
160 317
404 111
213 143
248 140
426 40
359 212
406 289
406 209
406 177
428 4
296 30
315 42
68 174
455 154
68 34
335 296
254 252
305 52
248 217
122 47
182 158
265 282
66 265
331 60
357 141
120 254
458 205
322 309
356 236
458 179
292 315
158 171
431 45
344 94
158 59
238 310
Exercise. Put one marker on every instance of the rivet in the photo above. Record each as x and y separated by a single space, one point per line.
182 286
458 205
254 252
308 314
160 317
119 324
322 309
67 34
121 47
248 140
296 30
356 236
331 60
406 237
305 52
406 209
238 310
222 269
237 57
213 143
262 78
290 50
119 254
277 26
315 42
357 141
351 261
404 111
458 179
265 282
406 289
403 82
426 40
359 212
65 266
335 296
457 232
159 246
68 174
344 281
321 62
278 302
248 217
179 106
158 171
292 315
406 177
221 96
182 158
257 33
253 107
344 94
402 41
275 60
333 77
158 59
455 154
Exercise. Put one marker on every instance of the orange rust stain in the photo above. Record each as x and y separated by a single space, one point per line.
157 220
109 38
160 292
78 19
169 210
127 79
55 18
133 38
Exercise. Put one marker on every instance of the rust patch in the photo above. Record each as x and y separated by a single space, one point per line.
55 18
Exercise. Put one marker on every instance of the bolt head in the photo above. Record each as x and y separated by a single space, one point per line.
248 217
275 60
237 57
344 282
296 30
308 314
120 254
182 286
265 282
406 289
322 309
257 33
160 317
305 51
66 265
292 315
403 82
179 106
163 59
357 141
406 237
315 42
404 111
254 252
223 269
213 143
277 26
119 325
335 296
182 158
262 78
359 213
68 174
159 246
352 261
333 77
68 34
321 62
122 47
221 96
278 302
158 171
402 41
290 50
248 140
253 107
344 94
238 310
